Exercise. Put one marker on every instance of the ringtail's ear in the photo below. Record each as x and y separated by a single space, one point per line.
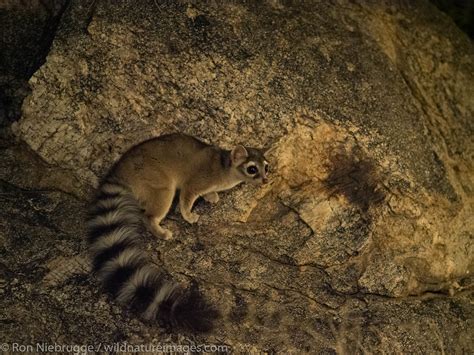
239 154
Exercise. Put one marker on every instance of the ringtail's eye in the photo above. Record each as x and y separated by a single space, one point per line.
267 168
252 170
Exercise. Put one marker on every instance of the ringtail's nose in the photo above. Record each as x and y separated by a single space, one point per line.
264 180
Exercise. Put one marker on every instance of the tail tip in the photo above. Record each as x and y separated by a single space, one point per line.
189 311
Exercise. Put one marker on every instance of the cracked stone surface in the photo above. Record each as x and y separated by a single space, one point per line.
269 303
362 241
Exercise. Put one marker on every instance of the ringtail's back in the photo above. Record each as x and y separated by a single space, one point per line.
137 192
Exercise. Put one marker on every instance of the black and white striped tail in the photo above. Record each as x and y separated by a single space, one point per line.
115 227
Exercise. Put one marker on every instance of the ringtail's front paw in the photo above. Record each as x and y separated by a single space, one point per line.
159 231
212 197
167 234
191 217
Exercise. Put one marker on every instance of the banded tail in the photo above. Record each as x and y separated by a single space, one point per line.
115 226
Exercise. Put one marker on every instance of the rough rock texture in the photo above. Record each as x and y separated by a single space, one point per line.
48 298
367 111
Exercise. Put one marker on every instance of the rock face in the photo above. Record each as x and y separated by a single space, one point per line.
367 111
40 232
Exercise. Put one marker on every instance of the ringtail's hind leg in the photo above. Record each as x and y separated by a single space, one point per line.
157 206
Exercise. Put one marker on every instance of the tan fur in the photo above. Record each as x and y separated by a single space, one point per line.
156 169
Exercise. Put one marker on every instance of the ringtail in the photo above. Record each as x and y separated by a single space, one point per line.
138 191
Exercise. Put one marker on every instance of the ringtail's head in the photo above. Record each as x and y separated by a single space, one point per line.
250 164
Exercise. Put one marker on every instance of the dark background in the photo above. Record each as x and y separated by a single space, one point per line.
462 12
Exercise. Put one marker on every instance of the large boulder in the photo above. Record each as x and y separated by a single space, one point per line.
48 301
367 111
